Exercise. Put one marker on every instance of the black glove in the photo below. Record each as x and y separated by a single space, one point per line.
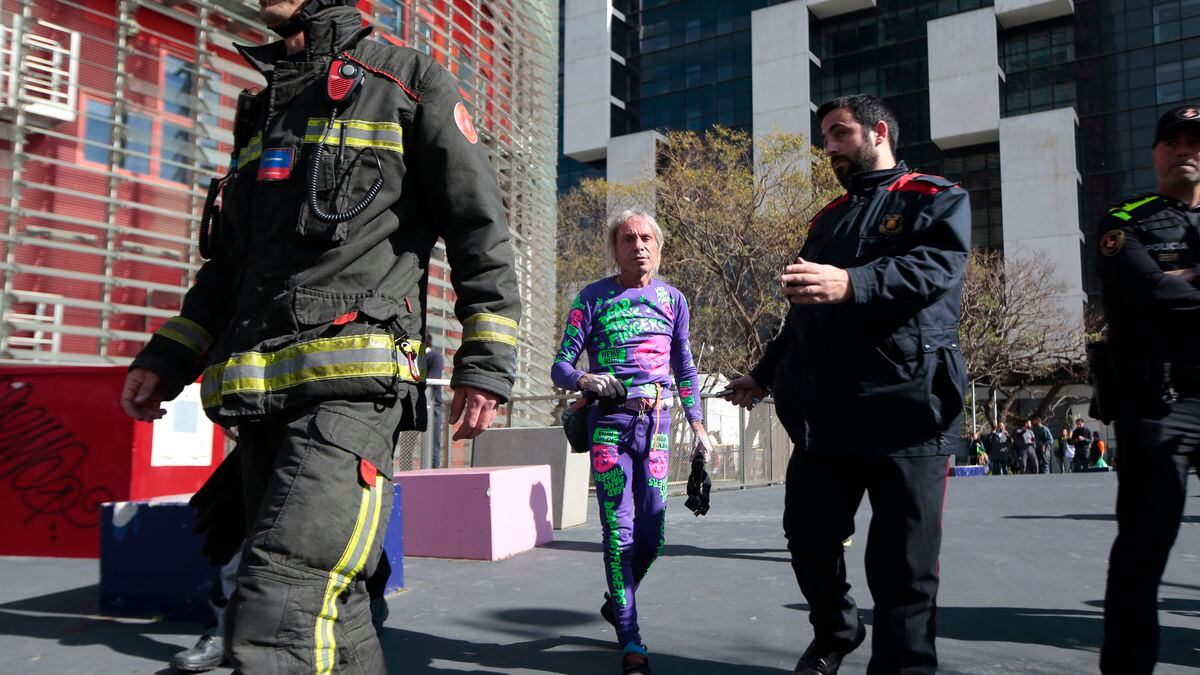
221 511
575 421
575 427
609 404
698 488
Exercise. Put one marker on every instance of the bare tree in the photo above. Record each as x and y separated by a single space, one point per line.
730 227
1014 334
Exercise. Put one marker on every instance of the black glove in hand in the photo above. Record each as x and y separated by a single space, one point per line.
220 510
698 488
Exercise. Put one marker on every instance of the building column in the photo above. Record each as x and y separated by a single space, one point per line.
633 159
780 60
964 78
1040 198
587 78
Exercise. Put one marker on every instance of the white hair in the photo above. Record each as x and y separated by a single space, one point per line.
610 236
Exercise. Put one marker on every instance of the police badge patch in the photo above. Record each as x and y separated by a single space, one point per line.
891 225
1112 241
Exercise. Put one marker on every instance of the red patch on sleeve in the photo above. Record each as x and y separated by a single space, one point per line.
346 318
463 119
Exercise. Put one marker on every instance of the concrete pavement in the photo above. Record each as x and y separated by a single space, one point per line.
1023 571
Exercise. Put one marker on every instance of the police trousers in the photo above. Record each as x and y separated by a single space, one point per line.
907 495
1157 450
318 495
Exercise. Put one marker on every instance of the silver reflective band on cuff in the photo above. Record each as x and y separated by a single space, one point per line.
490 328
187 333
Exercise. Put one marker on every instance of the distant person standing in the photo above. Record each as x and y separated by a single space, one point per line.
1097 451
999 443
1043 444
1149 250
1067 449
1023 448
1081 438
978 450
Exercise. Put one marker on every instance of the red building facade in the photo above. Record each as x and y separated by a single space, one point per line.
115 114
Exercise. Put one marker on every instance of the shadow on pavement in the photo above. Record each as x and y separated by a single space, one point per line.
544 617
412 652
83 601
72 618
132 639
682 550
1063 628
1186 520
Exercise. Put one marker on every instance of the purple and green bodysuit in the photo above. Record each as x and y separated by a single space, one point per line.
640 336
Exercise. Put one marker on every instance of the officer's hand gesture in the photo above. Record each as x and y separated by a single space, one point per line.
743 391
476 407
143 394
809 283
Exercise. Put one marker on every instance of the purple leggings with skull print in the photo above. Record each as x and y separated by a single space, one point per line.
629 464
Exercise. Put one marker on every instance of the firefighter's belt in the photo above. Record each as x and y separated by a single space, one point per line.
322 360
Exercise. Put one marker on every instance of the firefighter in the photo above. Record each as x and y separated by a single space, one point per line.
1148 264
306 321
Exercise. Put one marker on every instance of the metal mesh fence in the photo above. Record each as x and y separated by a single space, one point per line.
749 447
408 451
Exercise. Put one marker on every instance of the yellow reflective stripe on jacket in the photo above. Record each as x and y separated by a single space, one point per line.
490 328
359 134
187 333
314 361
251 152
352 561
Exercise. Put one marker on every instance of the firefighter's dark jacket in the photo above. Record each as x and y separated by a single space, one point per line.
291 310
1153 317
882 372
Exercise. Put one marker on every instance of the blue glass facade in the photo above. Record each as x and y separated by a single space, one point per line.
1119 63
687 66
883 51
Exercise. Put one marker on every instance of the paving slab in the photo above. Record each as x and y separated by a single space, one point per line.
1023 570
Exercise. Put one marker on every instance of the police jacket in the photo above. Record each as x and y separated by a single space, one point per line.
1153 317
880 373
999 444
292 309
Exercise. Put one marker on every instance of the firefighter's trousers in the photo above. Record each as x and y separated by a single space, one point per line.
318 496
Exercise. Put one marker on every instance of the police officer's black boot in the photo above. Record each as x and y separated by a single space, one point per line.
208 653
819 659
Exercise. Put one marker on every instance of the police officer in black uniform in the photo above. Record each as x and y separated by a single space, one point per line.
1149 247
868 380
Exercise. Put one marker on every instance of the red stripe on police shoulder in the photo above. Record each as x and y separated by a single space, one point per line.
911 182
346 318
827 207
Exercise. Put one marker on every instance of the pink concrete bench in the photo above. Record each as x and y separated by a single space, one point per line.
478 514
